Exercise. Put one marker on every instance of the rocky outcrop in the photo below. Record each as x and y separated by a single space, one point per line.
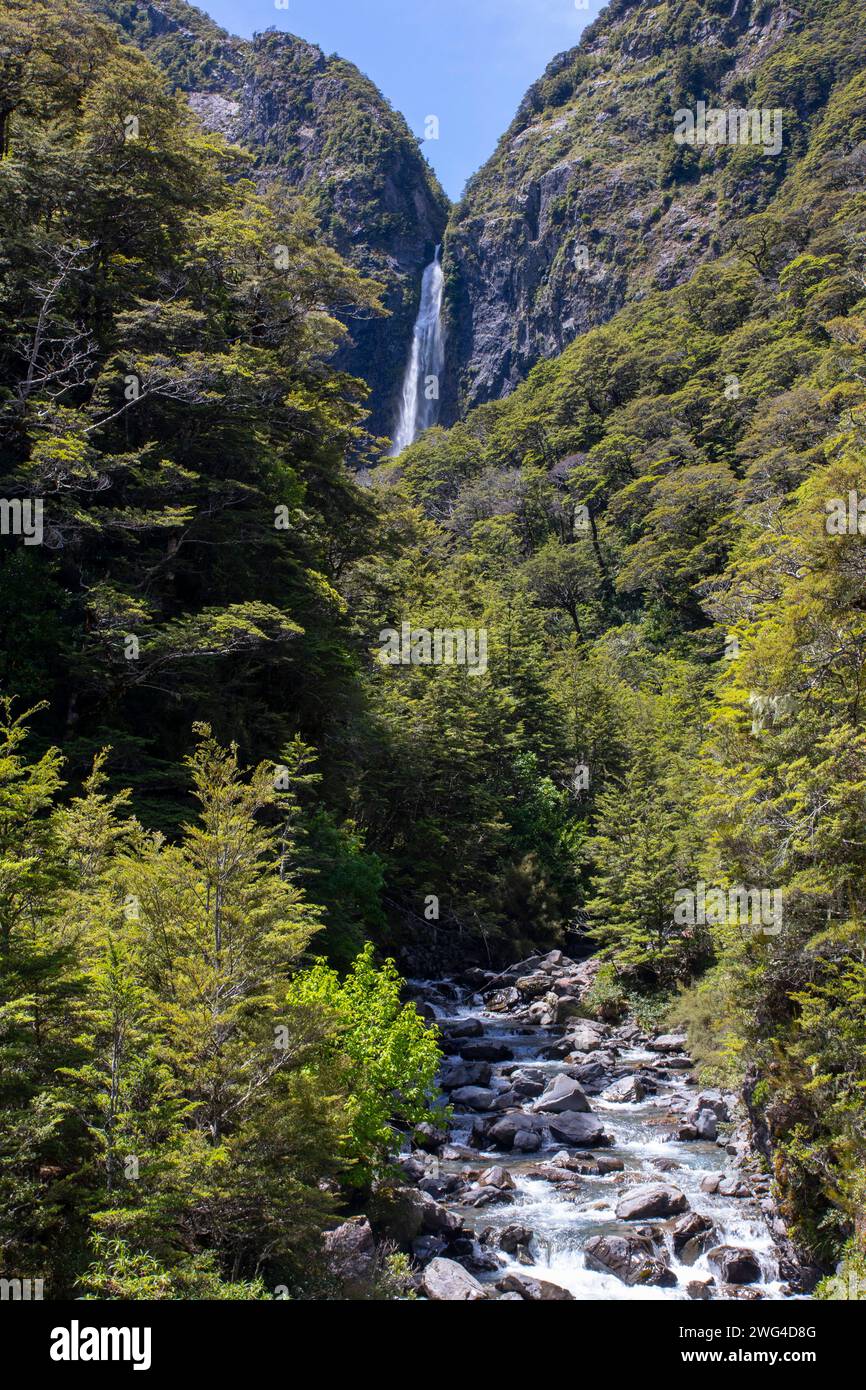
588 202
313 123
350 1255
445 1281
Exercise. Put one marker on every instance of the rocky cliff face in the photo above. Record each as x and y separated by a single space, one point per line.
317 124
588 200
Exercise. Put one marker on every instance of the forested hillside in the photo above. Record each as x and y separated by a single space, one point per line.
313 123
663 506
221 812
588 204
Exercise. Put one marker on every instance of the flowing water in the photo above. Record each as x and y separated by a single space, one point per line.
419 405
562 1221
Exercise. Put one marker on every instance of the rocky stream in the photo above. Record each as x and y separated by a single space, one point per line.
583 1159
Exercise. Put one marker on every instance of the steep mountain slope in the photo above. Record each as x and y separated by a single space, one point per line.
317 124
588 201
674 508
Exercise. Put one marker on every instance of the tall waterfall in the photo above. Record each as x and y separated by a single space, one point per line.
419 405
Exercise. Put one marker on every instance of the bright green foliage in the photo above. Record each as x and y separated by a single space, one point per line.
392 1052
672 691
177 1087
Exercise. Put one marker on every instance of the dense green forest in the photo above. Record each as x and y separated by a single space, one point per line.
222 817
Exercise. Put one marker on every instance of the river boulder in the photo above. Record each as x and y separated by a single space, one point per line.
505 1131
461 1027
593 1076
707 1125
630 1258
525 1086
534 1290
485 1050
513 1238
527 1141
474 1097
350 1253
455 1074
629 1089
734 1264
651 1200
668 1042
577 1129
563 1095
445 1281
585 1038
497 1177
532 985
690 1233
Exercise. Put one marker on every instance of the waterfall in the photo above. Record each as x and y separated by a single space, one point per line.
426 359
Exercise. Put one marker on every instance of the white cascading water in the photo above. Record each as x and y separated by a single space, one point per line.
562 1221
419 404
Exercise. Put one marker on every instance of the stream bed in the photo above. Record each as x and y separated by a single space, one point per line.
585 1160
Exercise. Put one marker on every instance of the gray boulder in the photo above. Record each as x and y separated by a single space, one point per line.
526 1141
534 1290
577 1129
485 1050
690 1233
627 1090
497 1177
668 1042
461 1027
505 1131
707 1125
474 1097
350 1253
445 1281
455 1074
563 1095
631 1258
651 1200
585 1038
735 1264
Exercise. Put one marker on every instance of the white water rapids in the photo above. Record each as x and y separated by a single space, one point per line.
563 1221
419 404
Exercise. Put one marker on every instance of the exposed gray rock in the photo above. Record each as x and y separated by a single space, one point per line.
707 1125
579 1130
504 1131
668 1042
496 1177
734 1264
563 1095
534 1290
445 1281
651 1200
690 1233
474 1097
350 1253
631 1258
627 1089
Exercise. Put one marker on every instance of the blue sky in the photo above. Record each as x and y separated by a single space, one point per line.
468 62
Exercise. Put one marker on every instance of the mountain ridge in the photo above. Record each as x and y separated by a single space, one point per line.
317 123
587 203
